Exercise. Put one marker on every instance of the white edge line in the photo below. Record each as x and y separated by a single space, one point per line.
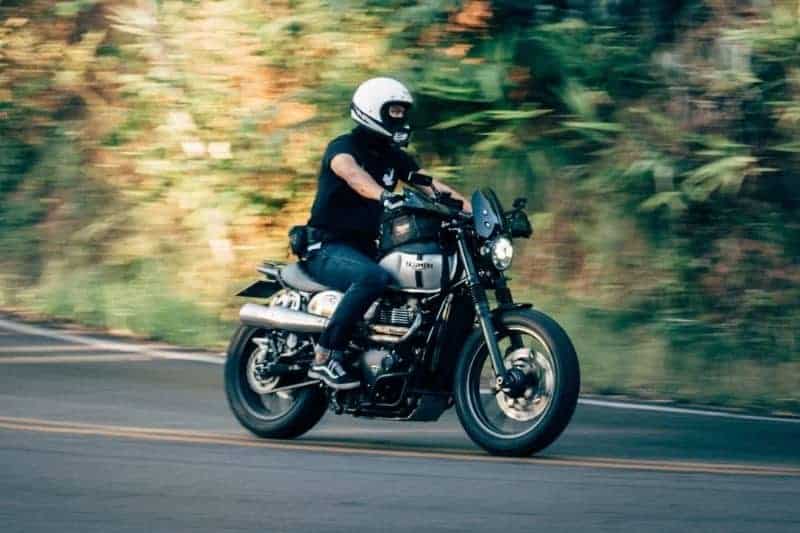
110 345
683 411
219 360
94 358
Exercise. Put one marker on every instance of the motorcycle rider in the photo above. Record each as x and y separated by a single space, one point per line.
357 179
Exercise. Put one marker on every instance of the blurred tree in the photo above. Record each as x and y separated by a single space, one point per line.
167 146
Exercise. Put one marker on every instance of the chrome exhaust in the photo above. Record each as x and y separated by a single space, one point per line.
275 317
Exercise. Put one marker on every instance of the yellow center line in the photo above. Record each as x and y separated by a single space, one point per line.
199 437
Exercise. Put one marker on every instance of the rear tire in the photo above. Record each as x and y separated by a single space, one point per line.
546 426
308 404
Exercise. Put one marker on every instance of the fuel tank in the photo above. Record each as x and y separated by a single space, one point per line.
418 267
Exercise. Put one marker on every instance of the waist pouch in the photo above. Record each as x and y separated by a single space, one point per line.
304 239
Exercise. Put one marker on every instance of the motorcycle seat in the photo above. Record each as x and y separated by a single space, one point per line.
295 275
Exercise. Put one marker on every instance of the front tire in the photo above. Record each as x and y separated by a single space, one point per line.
518 426
267 415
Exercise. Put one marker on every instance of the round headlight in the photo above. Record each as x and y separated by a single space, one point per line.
502 253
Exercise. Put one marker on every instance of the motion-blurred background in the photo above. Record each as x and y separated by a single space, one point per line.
152 152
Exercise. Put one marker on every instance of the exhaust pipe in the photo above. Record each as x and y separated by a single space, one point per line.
281 318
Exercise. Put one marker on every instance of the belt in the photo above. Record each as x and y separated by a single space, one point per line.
317 237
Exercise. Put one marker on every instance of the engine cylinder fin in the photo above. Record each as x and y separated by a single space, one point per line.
395 316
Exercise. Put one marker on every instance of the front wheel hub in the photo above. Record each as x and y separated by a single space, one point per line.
528 385
517 381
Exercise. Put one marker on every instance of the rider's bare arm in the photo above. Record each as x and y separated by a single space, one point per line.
346 167
443 187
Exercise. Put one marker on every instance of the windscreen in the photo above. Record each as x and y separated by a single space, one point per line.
485 213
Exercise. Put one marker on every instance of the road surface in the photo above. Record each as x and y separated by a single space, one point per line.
99 434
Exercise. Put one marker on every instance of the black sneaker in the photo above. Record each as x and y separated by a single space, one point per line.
334 375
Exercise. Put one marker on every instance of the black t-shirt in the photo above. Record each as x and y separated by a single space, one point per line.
340 210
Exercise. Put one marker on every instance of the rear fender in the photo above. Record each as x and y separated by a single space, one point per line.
265 288
260 289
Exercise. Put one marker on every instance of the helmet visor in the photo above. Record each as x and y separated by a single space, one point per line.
397 111
394 115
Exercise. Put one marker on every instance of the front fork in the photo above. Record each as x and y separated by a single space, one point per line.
479 300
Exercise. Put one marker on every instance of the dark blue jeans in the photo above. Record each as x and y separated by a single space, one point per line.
361 279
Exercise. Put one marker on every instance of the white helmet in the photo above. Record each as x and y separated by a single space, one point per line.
370 108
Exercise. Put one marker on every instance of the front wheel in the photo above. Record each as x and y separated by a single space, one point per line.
276 415
528 419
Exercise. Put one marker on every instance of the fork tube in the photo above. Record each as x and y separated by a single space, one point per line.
505 300
481 308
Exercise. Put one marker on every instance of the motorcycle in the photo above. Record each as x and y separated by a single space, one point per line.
430 342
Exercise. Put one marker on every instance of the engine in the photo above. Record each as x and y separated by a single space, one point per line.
384 364
393 320
396 315
386 375
389 319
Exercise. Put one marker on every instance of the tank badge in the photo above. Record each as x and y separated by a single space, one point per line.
419 265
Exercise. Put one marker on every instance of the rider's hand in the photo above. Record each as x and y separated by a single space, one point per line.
391 200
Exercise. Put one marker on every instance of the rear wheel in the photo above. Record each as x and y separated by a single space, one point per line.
530 418
275 415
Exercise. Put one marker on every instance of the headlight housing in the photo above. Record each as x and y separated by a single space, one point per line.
502 252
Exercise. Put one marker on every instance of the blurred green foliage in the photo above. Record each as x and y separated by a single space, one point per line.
151 152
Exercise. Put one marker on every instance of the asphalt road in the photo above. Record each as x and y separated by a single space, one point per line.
98 435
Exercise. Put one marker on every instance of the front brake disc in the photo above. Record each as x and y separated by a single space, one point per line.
534 400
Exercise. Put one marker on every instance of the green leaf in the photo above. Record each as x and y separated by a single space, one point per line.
793 147
673 200
604 127
720 167
501 114
469 119
452 92
731 183
579 100
495 140
481 117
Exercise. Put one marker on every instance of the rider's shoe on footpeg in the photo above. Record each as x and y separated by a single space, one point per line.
333 374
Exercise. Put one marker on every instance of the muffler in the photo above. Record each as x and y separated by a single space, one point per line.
275 317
